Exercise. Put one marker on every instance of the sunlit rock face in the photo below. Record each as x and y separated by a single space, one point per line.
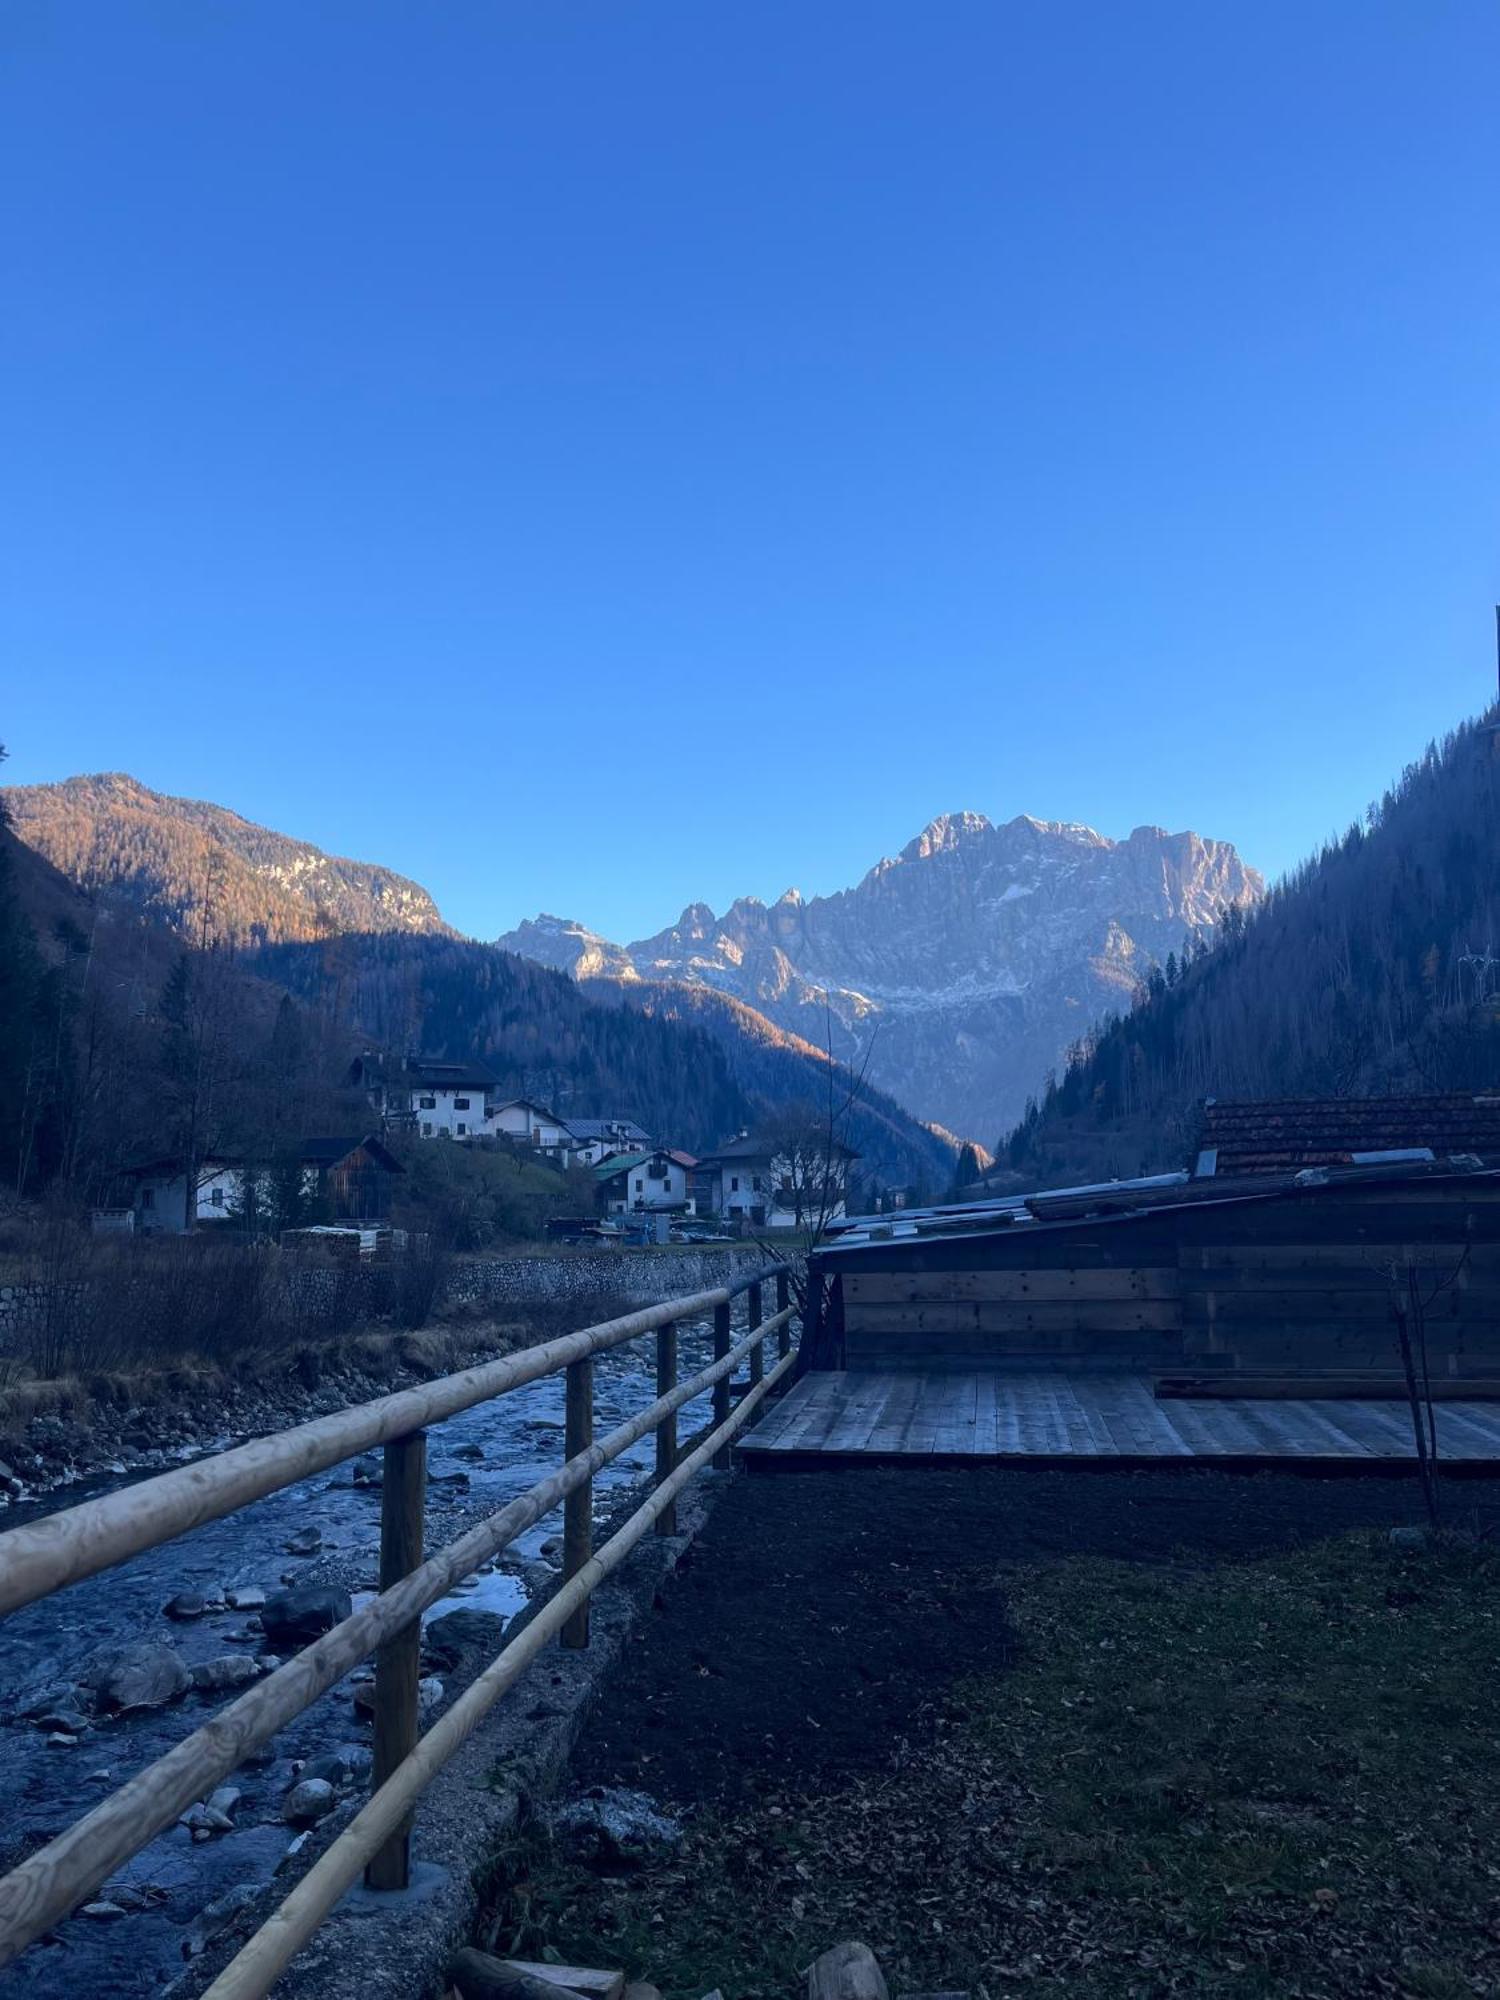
964 967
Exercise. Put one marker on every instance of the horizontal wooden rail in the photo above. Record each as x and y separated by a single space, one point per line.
81 1541
54 1880
252 1972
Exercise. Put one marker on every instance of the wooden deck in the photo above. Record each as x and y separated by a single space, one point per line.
914 1415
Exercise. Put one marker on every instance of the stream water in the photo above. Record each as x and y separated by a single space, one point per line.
47 1785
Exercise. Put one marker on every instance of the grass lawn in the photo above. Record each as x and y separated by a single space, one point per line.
1272 1777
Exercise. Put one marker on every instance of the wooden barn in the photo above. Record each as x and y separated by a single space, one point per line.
1275 1281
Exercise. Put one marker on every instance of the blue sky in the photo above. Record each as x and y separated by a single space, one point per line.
592 457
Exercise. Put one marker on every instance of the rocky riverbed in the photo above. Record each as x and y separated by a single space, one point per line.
105 1676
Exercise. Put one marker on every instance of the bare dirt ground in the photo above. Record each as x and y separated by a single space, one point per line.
1053 1732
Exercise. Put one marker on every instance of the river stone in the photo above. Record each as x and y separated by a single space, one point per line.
103 1913
247 1597
310 1800
459 1635
613 1826
429 1694
306 1542
225 1799
332 1769
146 1673
472 1452
1416 1537
186 1604
219 1916
227 1671
66 1720
294 1618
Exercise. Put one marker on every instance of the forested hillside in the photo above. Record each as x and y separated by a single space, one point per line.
1374 966
203 870
774 1067
690 1076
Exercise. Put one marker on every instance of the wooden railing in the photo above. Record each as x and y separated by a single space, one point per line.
45 1556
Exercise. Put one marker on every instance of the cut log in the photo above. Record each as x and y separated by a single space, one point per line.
477 1975
576 1978
850 1971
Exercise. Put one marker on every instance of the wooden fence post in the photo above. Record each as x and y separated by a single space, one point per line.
758 1352
724 1457
398 1663
783 1300
578 1508
666 1430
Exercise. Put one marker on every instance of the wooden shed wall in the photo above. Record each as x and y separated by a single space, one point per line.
1262 1287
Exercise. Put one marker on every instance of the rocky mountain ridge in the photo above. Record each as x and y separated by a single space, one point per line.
200 866
964 967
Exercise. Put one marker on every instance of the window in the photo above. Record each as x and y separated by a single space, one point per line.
460 1104
734 1183
216 1197
427 1103
755 1182
148 1197
427 1129
640 1185
462 1129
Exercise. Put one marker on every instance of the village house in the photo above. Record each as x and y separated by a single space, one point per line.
433 1098
594 1139
633 1182
527 1123
756 1183
342 1178
449 1098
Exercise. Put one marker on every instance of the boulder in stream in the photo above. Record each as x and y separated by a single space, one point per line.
227 1671
145 1673
294 1618
310 1800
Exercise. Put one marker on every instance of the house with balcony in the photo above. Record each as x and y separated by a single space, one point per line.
637 1183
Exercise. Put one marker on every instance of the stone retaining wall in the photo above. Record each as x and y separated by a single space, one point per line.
631 1277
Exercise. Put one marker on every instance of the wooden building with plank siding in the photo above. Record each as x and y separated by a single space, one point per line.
1256 1276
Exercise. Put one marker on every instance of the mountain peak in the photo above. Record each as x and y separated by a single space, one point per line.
964 968
945 833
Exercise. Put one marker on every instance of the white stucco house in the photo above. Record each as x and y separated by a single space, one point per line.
448 1099
631 1183
528 1123
594 1139
755 1184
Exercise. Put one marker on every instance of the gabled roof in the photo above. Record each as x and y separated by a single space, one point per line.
171 1163
1282 1135
328 1152
761 1149
425 1072
737 1149
620 1163
529 1104
587 1130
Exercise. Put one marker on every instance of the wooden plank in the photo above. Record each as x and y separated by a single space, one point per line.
1126 1349
1310 1383
895 1417
1055 1286
1251 1306
994 1316
1317 1255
